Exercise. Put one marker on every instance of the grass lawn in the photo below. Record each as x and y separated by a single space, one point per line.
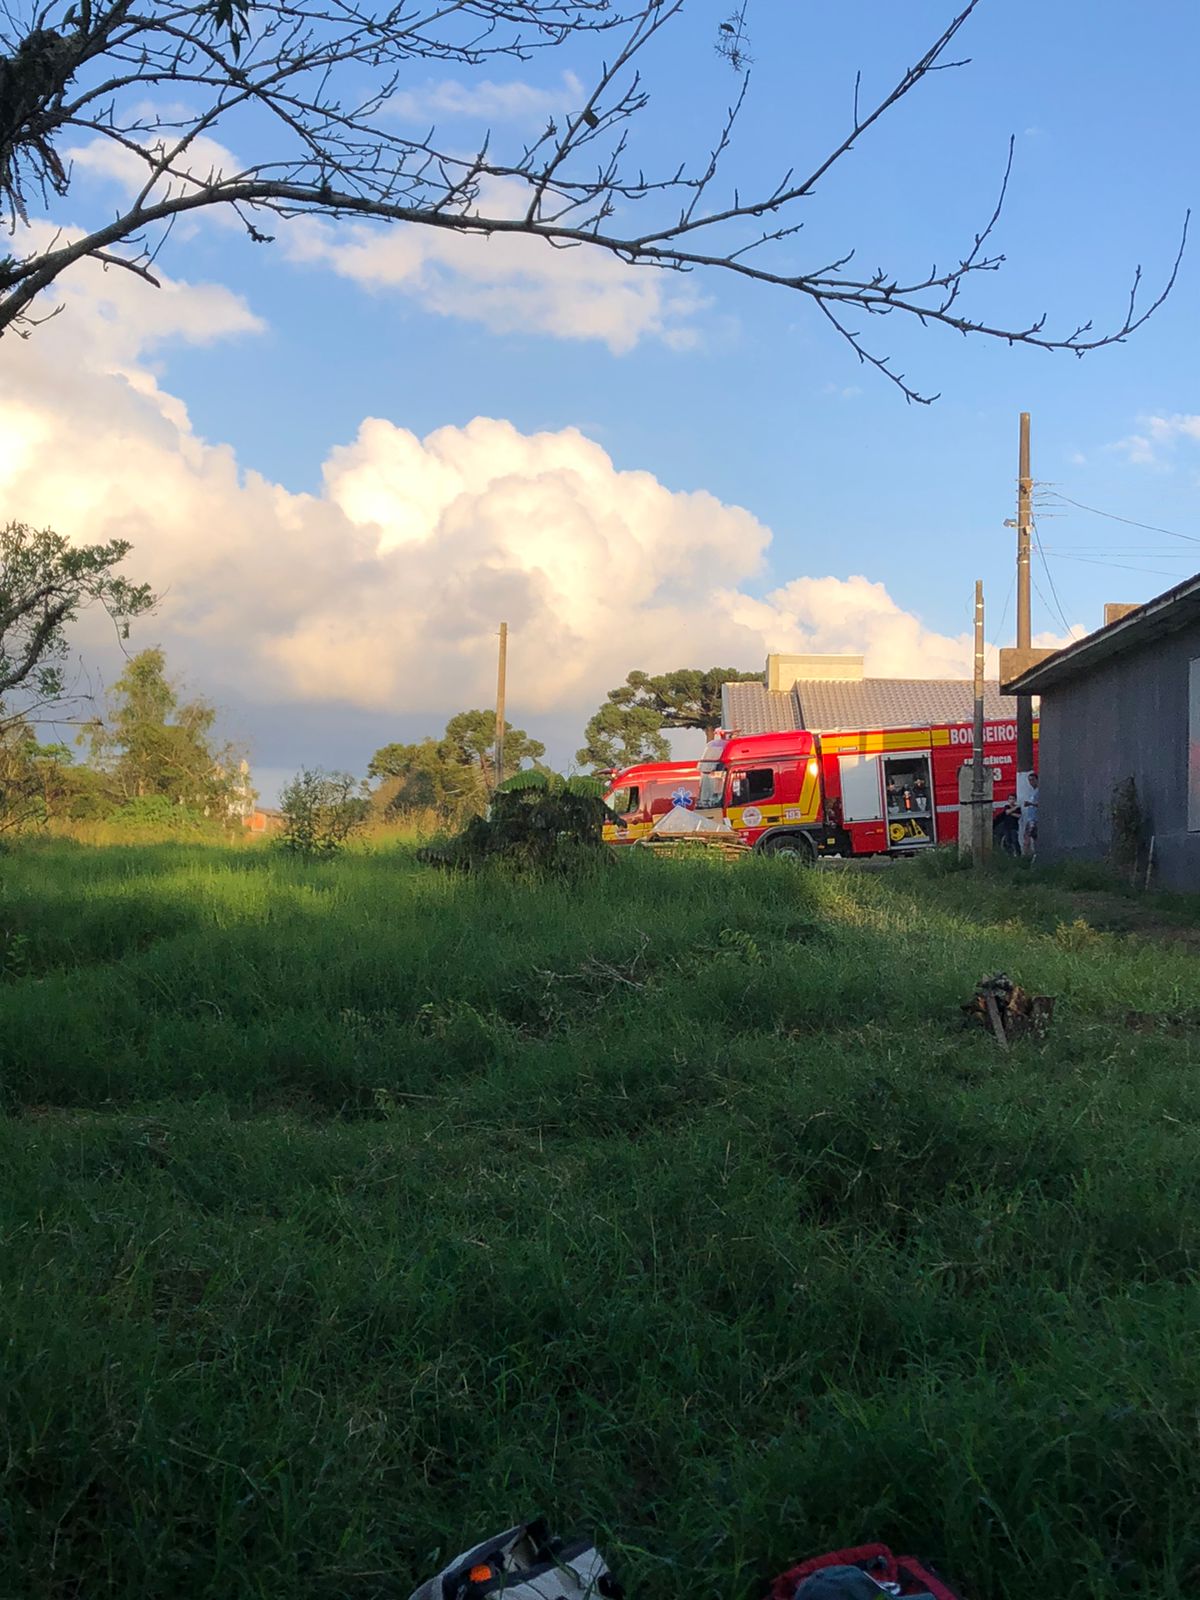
351 1212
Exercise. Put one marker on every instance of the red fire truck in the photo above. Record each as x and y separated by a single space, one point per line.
638 796
891 790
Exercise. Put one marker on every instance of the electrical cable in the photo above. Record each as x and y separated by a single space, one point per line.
1004 614
1160 553
1121 566
1037 539
1128 521
1038 590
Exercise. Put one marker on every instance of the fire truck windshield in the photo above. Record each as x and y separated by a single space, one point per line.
712 789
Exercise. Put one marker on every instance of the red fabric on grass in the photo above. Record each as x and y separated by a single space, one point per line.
875 1559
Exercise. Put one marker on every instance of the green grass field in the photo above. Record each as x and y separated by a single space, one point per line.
350 1212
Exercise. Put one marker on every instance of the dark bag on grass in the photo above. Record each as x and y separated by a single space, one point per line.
524 1564
858 1574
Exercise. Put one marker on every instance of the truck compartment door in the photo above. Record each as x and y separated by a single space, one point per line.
862 788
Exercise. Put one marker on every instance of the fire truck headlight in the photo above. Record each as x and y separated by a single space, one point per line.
813 768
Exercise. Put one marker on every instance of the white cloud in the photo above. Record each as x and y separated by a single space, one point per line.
202 161
383 591
1137 449
486 101
832 615
510 283
1157 437
111 319
1179 426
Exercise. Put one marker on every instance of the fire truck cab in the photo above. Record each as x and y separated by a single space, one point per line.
768 787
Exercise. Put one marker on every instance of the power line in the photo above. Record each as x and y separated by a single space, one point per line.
1121 566
1050 577
1129 522
1042 597
1004 614
1161 552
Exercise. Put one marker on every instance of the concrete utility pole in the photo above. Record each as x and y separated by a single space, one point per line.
977 732
975 785
502 668
1024 631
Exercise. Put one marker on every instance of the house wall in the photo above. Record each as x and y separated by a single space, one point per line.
1128 717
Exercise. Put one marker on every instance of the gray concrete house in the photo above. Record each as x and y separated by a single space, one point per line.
1123 703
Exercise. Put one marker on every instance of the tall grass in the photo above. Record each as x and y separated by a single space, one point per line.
350 1211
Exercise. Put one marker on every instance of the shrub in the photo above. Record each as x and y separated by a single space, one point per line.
157 812
941 861
537 822
321 810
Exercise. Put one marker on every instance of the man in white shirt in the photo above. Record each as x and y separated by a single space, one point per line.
1029 814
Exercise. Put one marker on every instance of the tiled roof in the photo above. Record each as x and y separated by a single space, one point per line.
846 705
836 705
753 708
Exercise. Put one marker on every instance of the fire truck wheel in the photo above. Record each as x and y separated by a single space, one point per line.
794 847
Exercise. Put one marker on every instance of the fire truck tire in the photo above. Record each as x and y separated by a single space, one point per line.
792 846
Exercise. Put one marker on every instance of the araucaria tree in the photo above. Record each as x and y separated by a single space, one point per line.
453 774
620 735
631 724
274 109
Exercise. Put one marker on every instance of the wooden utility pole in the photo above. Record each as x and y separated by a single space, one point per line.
1024 632
498 776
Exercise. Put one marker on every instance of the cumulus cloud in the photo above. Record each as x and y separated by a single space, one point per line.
486 101
835 615
510 283
383 591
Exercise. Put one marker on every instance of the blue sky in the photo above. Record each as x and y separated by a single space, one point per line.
762 406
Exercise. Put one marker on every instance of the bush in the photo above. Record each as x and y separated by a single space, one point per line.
157 812
941 861
89 805
537 822
321 810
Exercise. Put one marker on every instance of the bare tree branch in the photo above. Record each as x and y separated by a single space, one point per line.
303 89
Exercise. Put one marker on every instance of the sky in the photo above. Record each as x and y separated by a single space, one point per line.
343 458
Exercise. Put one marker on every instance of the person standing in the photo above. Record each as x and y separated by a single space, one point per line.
1007 828
1029 817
